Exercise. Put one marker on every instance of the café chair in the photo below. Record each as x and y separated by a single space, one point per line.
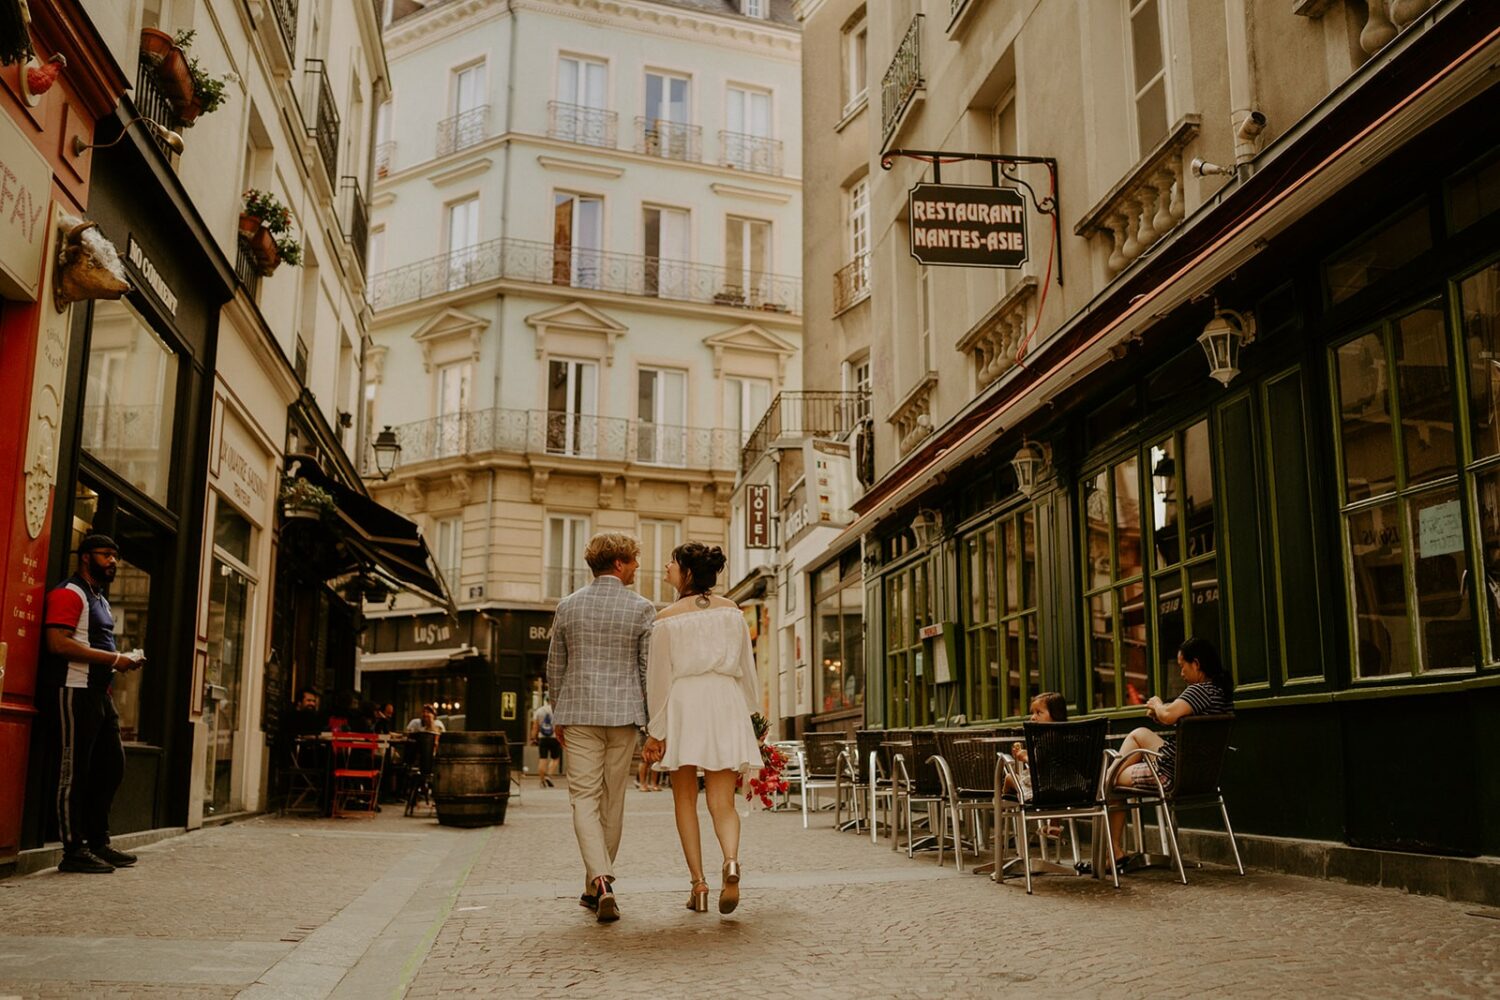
1202 746
966 766
916 782
1067 761
358 761
421 752
304 775
853 780
793 751
819 766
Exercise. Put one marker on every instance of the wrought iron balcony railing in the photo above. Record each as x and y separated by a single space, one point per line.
567 435
152 103
463 130
246 269
903 77
324 124
560 581
577 123
669 140
286 21
626 274
754 153
354 214
385 158
803 415
851 283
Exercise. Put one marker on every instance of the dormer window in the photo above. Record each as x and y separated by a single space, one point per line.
754 8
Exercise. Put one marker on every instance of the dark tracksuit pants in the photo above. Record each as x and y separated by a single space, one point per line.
93 764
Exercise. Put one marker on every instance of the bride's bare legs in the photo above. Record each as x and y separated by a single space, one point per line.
718 788
685 800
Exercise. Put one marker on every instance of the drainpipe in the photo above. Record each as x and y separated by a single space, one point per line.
1245 118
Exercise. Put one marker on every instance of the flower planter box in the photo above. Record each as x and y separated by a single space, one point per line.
155 44
174 78
292 513
263 249
187 111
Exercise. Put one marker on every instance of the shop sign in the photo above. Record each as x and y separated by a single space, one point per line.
240 465
830 466
758 516
431 633
25 191
967 225
151 275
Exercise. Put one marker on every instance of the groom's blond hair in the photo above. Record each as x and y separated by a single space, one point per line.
609 547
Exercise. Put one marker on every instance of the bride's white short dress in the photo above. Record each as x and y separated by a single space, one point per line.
700 686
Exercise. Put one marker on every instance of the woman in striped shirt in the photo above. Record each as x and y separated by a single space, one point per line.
1209 691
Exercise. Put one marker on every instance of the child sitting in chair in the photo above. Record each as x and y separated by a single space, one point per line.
1049 706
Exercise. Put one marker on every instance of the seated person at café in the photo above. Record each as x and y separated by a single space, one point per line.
1209 691
1049 706
350 715
385 718
306 719
428 723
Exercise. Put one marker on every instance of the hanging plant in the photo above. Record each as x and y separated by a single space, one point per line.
190 88
301 499
265 228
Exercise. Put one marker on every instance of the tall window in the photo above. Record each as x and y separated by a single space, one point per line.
572 407
666 131
130 399
1001 635
468 109
666 249
1114 601
924 320
856 42
449 550
1148 72
375 250
565 572
577 240
910 600
467 92
452 403
857 380
840 621
859 220
661 400
747 252
747 123
463 235
658 539
581 90
1404 531
1185 579
754 8
745 402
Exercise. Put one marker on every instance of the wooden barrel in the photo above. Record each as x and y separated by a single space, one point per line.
471 779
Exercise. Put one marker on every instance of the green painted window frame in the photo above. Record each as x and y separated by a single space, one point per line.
984 700
908 694
1473 468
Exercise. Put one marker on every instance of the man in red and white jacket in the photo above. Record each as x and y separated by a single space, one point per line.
81 634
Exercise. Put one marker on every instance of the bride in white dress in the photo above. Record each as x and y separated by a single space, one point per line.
700 692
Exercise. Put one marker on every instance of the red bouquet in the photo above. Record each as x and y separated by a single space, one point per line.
768 780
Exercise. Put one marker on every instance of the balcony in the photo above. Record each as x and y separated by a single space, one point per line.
912 417
463 130
669 140
754 153
533 262
246 269
385 158
566 435
324 129
285 12
584 125
851 284
1146 204
560 581
902 80
354 217
803 415
151 103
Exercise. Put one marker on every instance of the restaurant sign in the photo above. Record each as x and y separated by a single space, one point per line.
758 516
968 225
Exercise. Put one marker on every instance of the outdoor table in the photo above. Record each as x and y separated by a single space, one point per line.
324 740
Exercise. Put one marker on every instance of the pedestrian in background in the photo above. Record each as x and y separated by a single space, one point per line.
80 631
548 750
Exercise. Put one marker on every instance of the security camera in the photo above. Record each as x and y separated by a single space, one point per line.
1203 168
1251 127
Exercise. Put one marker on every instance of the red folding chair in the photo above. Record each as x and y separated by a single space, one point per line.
357 764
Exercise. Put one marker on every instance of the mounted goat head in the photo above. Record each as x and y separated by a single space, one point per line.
88 265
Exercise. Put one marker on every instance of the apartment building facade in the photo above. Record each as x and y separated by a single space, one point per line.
1237 389
586 289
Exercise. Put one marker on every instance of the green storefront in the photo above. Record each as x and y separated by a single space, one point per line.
1331 519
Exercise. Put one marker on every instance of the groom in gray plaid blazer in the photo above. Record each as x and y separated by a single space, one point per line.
596 672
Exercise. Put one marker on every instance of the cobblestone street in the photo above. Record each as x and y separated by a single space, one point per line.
403 907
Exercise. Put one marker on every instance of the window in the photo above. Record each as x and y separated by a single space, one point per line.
747 134
581 93
1479 297
856 41
754 8
1185 580
230 594
839 680
1377 255
745 402
747 250
1114 602
130 398
463 236
375 252
857 379
299 360
577 240
658 539
1148 69
565 570
910 600
449 551
1001 638
859 222
661 398
665 128
1402 516
468 90
667 269
451 405
924 320
572 406
468 110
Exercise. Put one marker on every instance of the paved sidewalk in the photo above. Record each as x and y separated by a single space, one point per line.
402 907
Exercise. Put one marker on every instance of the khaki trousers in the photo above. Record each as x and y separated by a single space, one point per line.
598 771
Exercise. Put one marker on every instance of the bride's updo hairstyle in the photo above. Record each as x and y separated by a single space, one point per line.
700 564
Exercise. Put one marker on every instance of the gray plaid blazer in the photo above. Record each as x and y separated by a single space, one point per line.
596 665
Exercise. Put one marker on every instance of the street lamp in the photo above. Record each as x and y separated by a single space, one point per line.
387 452
1029 462
926 527
1222 339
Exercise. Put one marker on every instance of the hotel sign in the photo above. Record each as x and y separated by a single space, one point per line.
758 516
967 225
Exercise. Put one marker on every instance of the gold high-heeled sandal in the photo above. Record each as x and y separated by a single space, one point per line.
729 896
698 900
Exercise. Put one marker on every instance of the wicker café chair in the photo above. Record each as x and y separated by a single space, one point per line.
874 771
1202 746
819 765
967 768
1067 770
917 782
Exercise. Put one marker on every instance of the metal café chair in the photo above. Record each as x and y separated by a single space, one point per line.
1068 763
966 765
794 752
304 776
874 760
819 765
852 779
1202 746
421 752
917 782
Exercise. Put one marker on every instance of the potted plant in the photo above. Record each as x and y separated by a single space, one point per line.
302 500
155 44
265 228
204 93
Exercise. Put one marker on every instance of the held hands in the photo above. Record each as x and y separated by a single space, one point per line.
653 751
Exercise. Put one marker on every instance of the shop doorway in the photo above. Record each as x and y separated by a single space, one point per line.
231 588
